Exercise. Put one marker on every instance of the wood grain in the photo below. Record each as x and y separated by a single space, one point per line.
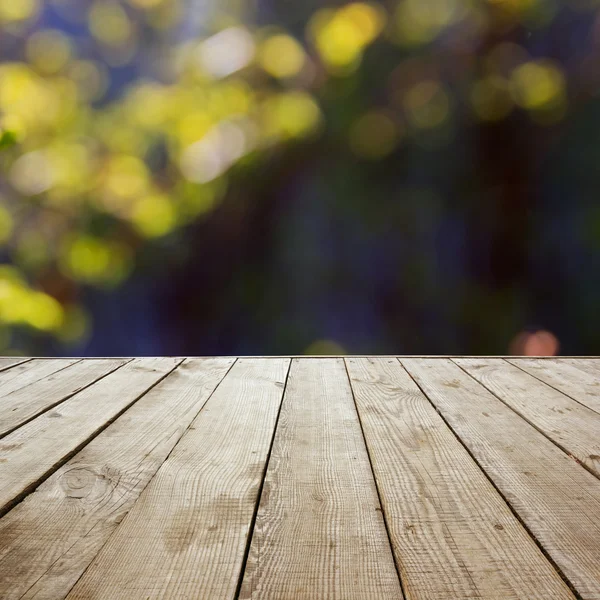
7 363
557 499
25 374
32 452
25 403
319 532
574 427
49 539
453 535
565 375
186 535
587 363
132 505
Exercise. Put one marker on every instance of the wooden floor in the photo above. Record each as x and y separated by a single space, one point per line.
300 478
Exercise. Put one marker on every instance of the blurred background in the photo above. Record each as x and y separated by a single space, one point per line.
203 177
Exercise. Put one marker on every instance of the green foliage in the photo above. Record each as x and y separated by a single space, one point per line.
156 155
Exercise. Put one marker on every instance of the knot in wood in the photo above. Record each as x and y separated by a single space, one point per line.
80 482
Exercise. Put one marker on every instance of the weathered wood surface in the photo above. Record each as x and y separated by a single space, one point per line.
557 499
319 531
453 535
186 535
579 379
66 521
36 449
20 375
6 363
272 478
572 426
21 405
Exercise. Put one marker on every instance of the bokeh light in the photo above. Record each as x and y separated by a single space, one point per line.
137 136
325 348
374 135
282 56
341 35
536 343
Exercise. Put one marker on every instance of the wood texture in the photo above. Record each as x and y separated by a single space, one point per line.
25 374
7 363
32 452
144 485
49 539
565 375
23 404
574 427
319 532
453 535
186 535
556 498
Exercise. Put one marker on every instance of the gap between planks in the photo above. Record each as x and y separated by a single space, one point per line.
377 487
187 533
67 520
266 466
320 531
453 534
561 419
31 400
35 450
535 477
7 363
581 386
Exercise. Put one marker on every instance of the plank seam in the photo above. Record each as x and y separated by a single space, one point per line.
22 362
516 411
510 362
166 458
77 361
62 555
238 588
69 455
67 397
381 506
492 482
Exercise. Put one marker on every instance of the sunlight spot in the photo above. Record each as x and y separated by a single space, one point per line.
31 174
48 50
227 51
281 56
153 216
109 23
341 35
538 85
18 10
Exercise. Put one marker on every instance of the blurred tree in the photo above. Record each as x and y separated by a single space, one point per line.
284 177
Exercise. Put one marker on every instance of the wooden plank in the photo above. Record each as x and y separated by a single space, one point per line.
7 363
319 530
453 535
24 404
585 363
557 499
31 453
49 539
574 427
563 375
23 375
186 535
